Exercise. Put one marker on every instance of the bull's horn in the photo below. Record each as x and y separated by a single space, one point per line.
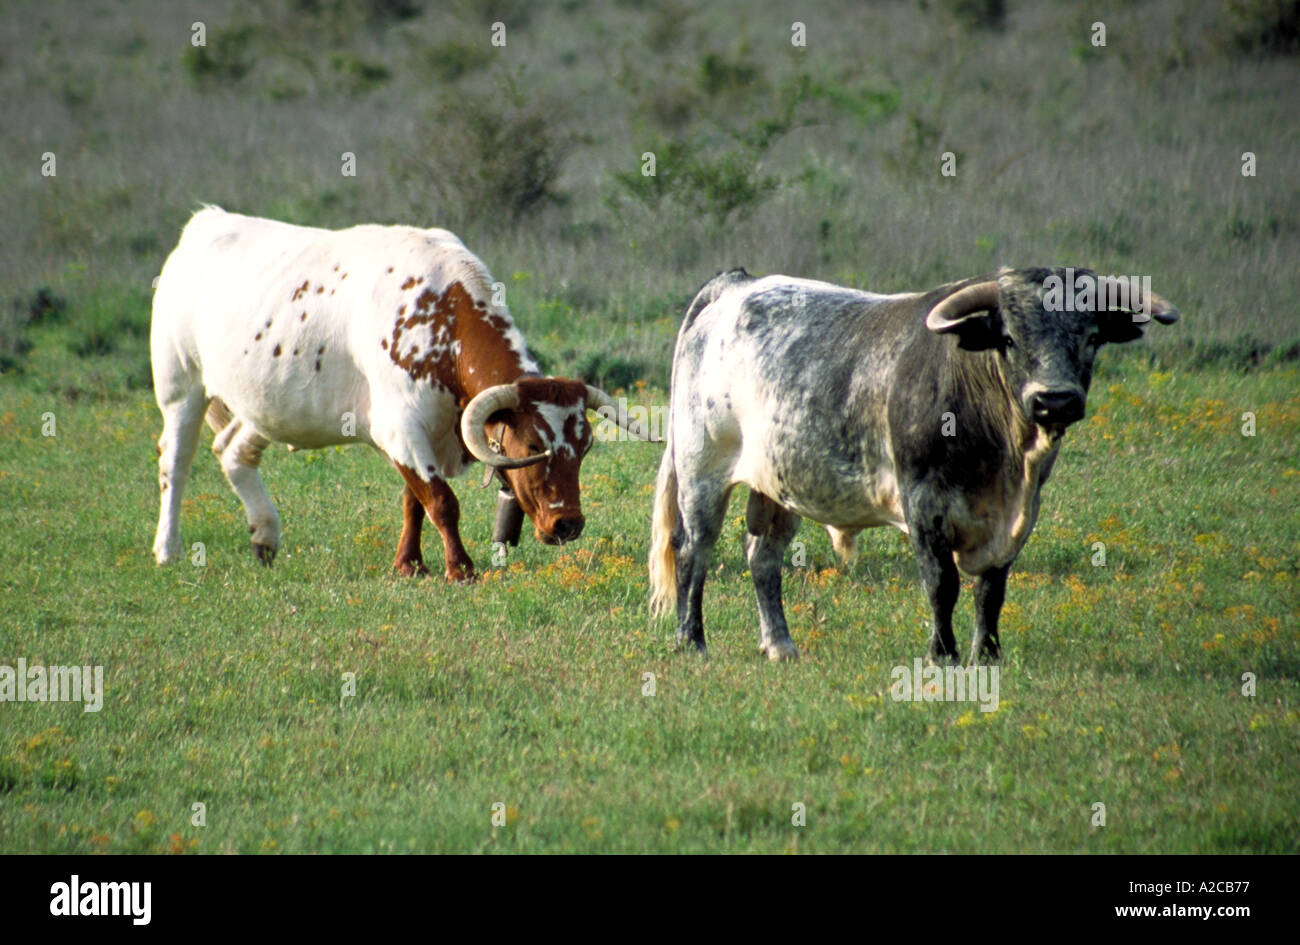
597 398
974 298
1160 309
477 411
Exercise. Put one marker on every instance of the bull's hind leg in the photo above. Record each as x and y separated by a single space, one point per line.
437 499
239 447
771 528
990 592
703 505
182 420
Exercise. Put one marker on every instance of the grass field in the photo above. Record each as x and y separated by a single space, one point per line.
525 697
1122 684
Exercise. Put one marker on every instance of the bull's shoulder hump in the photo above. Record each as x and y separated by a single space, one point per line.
713 290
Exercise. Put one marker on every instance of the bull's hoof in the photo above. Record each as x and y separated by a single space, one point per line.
264 554
939 655
166 554
686 644
456 575
413 568
780 650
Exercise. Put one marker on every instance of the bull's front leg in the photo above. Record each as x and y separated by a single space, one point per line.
990 592
410 559
439 502
771 528
942 585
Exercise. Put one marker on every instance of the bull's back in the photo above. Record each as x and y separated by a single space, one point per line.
801 371
279 321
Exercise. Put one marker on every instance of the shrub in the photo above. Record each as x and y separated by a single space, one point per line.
713 178
977 14
1271 26
24 310
227 57
495 156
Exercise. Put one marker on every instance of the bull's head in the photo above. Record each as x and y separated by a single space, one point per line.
1045 326
535 431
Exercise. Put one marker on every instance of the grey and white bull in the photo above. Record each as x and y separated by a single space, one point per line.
937 412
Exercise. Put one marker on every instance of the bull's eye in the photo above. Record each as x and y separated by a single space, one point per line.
534 449
1008 342
1094 340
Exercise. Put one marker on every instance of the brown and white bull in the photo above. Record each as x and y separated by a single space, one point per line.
386 335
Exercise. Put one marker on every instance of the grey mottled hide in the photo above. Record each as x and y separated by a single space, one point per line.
847 408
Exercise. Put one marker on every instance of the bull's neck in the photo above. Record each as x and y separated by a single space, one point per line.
978 379
486 356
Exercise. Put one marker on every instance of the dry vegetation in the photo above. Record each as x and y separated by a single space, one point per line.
821 161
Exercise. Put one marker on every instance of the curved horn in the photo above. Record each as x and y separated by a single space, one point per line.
945 316
597 398
477 411
1108 287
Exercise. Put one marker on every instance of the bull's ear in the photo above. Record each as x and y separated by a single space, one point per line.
1119 327
970 314
1128 322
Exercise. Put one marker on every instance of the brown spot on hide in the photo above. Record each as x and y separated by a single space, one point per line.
299 292
302 317
276 352
447 320
409 283
318 365
320 289
258 336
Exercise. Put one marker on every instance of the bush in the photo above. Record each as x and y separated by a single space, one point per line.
977 14
41 306
720 75
449 60
712 178
495 156
357 75
227 57
1270 26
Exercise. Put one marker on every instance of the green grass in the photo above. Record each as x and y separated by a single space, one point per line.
1121 684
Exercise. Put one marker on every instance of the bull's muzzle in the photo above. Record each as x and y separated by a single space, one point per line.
1056 408
564 530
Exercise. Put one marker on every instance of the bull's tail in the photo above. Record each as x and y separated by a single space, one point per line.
664 522
666 518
